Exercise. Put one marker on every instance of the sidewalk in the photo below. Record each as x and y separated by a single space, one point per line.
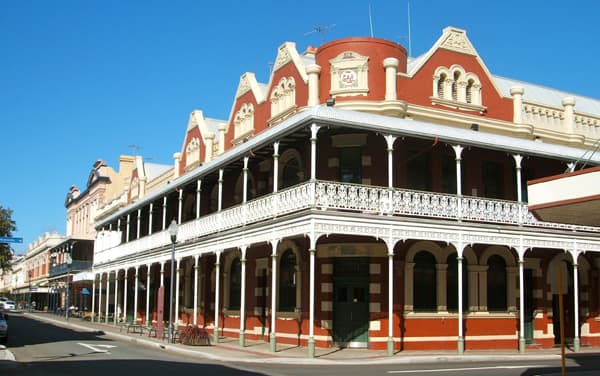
228 349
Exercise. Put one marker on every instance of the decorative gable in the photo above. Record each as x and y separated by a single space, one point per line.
454 39
287 53
248 83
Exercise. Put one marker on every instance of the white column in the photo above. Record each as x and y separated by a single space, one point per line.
390 248
162 274
116 301
461 336
245 191
314 128
150 218
457 152
243 298
311 297
178 276
217 293
148 318
220 189
135 293
99 297
93 296
107 296
196 267
275 166
125 295
569 114
164 214
179 207
391 66
518 159
521 304
139 220
273 336
313 71
517 94
127 227
198 191
576 340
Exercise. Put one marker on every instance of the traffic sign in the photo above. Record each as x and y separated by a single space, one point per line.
7 239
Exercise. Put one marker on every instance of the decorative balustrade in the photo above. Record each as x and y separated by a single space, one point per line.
552 118
325 195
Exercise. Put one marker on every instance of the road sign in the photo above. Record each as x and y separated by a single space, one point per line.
7 239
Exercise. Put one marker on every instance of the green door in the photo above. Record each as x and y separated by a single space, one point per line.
350 302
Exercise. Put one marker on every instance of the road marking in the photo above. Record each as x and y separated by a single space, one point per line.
468 369
95 348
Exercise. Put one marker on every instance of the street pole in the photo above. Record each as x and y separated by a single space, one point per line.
173 232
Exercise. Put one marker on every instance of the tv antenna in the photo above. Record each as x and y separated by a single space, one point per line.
135 148
321 30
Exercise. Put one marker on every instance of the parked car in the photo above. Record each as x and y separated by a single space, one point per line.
3 328
9 305
2 300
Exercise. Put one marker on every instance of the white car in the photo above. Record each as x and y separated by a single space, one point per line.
9 305
3 328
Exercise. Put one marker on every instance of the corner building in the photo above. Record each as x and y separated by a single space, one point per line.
363 198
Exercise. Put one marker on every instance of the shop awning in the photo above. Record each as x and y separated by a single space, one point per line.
83 276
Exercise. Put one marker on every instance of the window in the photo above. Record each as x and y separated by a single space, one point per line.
244 121
449 174
418 171
496 284
351 165
452 283
454 87
283 96
424 284
493 183
290 173
287 282
192 153
235 284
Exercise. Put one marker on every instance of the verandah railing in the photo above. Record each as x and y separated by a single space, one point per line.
327 195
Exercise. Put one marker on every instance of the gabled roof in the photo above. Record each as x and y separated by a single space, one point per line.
548 96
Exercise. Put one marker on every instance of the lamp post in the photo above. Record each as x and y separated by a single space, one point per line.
173 232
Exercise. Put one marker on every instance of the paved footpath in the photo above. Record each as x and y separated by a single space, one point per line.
228 349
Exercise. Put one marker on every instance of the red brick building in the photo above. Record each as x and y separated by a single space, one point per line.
366 198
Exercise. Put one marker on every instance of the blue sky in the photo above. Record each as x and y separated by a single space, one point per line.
82 80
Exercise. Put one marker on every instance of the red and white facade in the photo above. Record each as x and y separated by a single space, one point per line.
364 198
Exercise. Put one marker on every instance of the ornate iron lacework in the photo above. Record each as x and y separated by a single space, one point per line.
325 195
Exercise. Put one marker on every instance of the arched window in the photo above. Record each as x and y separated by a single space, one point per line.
235 284
440 85
287 282
290 173
455 86
470 84
496 284
424 284
452 283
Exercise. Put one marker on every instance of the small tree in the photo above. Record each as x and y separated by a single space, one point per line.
7 226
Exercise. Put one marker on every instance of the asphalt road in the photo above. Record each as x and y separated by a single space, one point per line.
45 349
48 350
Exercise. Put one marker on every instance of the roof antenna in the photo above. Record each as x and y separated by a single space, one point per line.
135 148
320 29
370 20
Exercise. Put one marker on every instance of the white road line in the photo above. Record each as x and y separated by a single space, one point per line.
95 348
467 369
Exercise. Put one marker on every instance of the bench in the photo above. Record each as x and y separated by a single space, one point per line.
150 330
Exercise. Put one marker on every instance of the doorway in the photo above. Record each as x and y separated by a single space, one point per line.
351 302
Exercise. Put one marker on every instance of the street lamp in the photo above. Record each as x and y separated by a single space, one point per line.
173 232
